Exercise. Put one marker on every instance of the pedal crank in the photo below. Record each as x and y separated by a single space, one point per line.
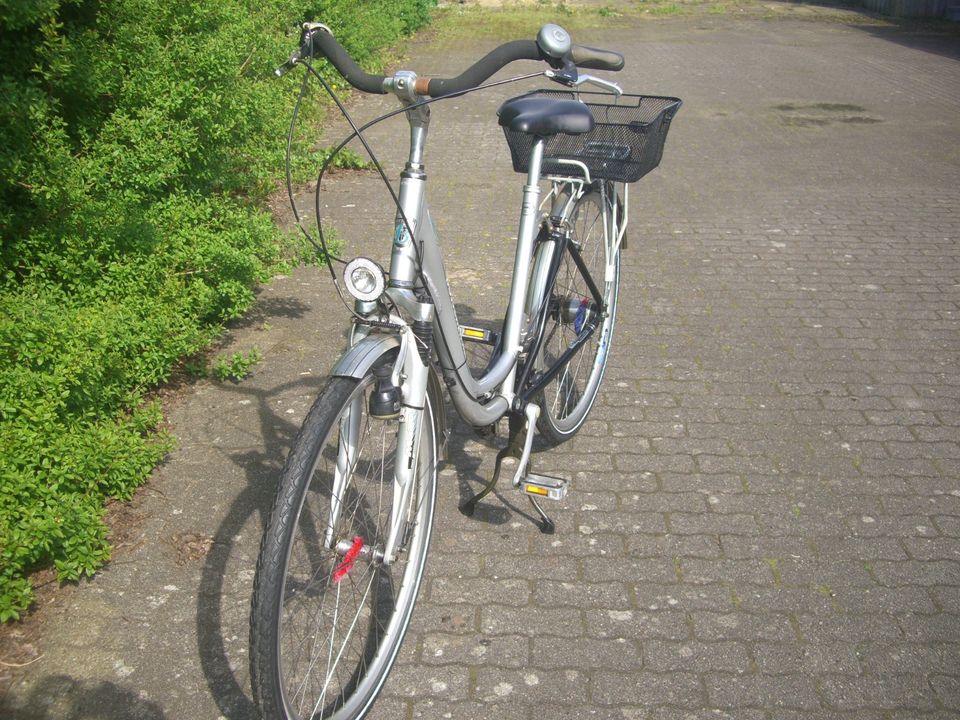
531 412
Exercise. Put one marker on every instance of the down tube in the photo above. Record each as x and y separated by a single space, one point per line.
464 390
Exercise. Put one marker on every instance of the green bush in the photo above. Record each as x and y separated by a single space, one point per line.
137 141
236 367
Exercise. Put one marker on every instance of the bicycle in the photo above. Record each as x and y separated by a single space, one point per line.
343 553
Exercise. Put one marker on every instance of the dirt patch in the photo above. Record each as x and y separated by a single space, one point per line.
829 107
821 114
191 546
20 641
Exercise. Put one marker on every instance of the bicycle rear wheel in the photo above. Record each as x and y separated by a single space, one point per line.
328 615
567 399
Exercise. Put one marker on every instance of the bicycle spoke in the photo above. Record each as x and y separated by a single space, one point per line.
349 633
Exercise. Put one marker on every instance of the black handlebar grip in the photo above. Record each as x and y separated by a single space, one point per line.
326 45
483 68
595 58
322 43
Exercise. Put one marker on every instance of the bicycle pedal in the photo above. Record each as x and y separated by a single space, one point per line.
479 335
543 486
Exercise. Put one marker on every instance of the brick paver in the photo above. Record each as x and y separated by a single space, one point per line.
764 521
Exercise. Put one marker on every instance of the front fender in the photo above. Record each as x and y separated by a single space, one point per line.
360 358
356 361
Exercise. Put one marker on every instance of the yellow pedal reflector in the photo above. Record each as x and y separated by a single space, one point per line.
543 486
476 334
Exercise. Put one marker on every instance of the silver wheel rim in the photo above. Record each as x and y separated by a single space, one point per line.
334 656
570 395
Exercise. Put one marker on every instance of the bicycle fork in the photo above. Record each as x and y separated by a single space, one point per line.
410 375
413 374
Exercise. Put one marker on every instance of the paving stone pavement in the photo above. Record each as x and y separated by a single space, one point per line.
764 520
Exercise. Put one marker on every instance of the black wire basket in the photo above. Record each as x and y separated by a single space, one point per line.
625 144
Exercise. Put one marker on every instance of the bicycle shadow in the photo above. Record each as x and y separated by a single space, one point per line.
223 602
226 581
59 696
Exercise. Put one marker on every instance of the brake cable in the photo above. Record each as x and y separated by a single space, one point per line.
357 132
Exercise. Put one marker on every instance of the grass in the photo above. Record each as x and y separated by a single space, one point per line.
456 22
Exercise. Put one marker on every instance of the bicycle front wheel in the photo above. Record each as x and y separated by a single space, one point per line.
328 615
567 399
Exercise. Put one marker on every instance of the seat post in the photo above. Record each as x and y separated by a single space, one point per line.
536 161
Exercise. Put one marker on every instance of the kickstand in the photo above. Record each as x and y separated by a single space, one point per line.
546 525
513 449
518 447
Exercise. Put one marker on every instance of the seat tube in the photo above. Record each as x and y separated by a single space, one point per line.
529 214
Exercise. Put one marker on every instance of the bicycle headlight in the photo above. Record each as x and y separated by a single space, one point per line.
364 278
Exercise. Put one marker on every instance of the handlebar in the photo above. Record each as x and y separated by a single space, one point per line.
317 40
480 70
552 46
595 58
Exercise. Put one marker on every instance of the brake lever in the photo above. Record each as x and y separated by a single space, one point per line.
574 79
567 75
599 82
305 47
296 57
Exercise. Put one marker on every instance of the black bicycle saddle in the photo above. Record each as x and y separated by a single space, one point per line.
545 116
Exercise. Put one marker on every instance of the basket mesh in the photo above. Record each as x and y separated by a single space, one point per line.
625 144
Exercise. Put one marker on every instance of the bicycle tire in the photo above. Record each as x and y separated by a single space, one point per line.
566 401
296 610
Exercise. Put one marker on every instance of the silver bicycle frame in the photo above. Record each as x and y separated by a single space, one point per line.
417 261
480 401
